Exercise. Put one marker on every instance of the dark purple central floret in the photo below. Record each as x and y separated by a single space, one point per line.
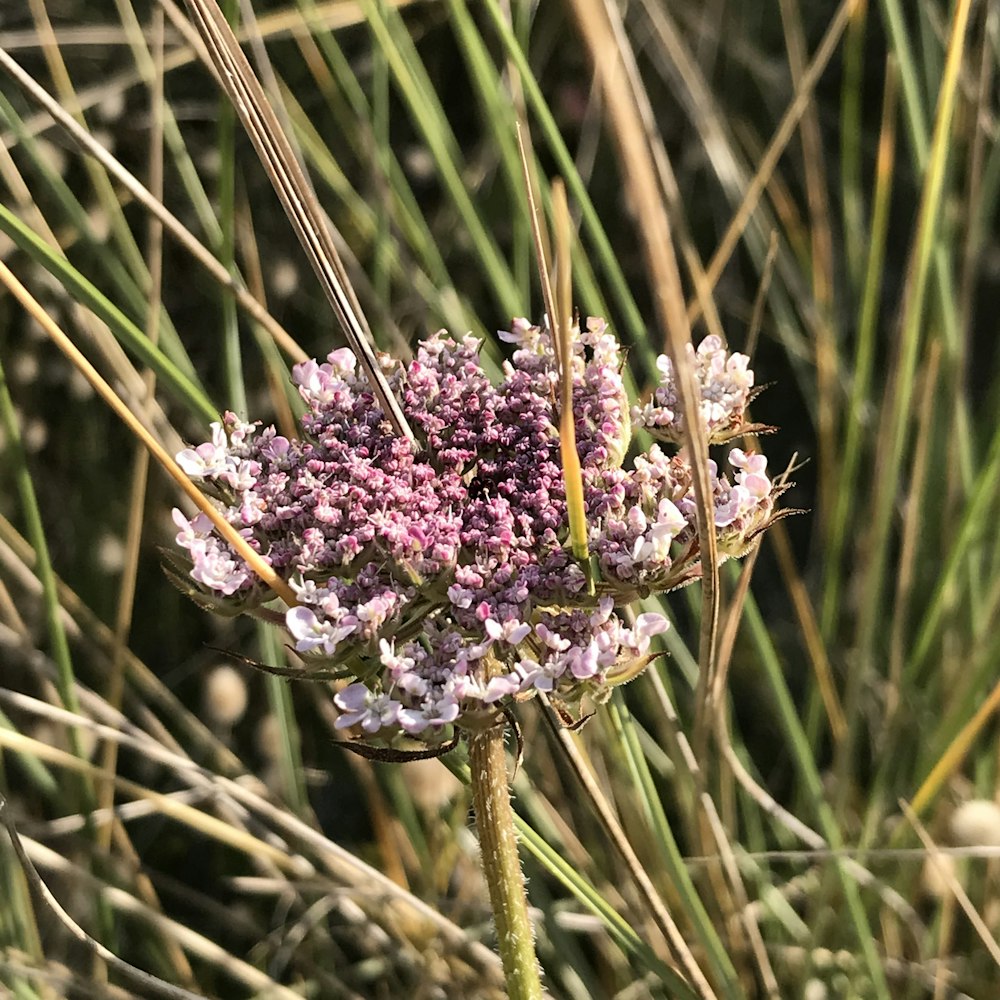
439 570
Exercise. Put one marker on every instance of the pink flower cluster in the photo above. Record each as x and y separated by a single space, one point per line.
726 384
438 575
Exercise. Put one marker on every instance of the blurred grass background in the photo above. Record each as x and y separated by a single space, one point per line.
831 176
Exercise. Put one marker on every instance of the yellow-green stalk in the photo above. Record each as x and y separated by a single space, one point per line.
560 324
562 327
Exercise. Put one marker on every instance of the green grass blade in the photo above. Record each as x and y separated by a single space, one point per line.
187 392
590 898
674 869
802 755
897 418
59 645
429 117
630 321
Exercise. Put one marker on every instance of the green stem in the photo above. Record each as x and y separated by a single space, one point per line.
501 864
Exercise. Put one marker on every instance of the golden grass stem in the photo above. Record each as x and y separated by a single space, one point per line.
961 896
562 327
558 308
80 362
153 205
952 758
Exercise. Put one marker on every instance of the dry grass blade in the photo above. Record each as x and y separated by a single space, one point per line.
170 222
953 884
149 983
739 892
826 356
295 192
818 656
559 310
640 178
776 148
225 529
664 170
661 915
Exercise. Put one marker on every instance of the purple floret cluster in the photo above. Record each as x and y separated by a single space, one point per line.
437 574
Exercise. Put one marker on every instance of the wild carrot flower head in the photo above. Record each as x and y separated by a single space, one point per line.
437 574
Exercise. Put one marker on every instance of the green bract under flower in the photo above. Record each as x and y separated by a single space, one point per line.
438 574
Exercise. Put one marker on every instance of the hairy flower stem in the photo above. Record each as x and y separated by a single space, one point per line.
501 864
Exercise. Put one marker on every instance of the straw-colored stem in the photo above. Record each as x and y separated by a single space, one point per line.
225 529
501 864
562 332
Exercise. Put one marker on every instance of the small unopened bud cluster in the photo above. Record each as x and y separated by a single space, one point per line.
437 575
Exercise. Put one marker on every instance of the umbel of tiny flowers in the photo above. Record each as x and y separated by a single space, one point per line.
436 575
